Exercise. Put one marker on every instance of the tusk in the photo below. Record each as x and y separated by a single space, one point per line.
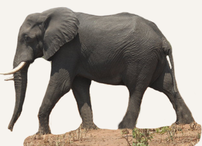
9 79
19 67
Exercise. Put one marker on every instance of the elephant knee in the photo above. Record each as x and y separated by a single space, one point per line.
43 113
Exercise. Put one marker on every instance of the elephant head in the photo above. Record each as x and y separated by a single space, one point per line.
41 35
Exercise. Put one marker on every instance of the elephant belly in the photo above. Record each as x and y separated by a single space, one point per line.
105 75
113 80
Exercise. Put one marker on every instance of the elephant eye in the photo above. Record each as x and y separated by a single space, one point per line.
27 38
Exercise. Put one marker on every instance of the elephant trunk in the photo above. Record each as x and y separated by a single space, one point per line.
20 82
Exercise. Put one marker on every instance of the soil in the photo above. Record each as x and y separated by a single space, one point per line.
174 135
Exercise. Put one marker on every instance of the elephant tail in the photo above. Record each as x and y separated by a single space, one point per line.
168 51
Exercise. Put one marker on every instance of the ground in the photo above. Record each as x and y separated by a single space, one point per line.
174 135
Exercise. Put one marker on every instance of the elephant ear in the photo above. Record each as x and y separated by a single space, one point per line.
60 26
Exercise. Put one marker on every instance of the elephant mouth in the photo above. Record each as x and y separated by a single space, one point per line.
16 69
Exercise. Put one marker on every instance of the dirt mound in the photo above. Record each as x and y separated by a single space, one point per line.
180 135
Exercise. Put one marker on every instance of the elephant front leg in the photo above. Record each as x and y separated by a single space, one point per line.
80 89
58 86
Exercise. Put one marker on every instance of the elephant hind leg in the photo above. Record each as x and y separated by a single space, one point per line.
130 118
137 83
80 88
165 84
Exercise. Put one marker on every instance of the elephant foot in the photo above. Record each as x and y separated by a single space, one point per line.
184 121
43 131
88 126
129 121
184 117
126 125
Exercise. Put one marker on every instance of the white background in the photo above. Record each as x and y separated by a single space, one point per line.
179 20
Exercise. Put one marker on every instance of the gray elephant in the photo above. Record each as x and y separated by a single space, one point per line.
122 49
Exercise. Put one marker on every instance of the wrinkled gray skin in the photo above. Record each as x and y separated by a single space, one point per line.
122 49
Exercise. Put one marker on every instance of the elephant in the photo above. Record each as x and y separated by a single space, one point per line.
121 49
